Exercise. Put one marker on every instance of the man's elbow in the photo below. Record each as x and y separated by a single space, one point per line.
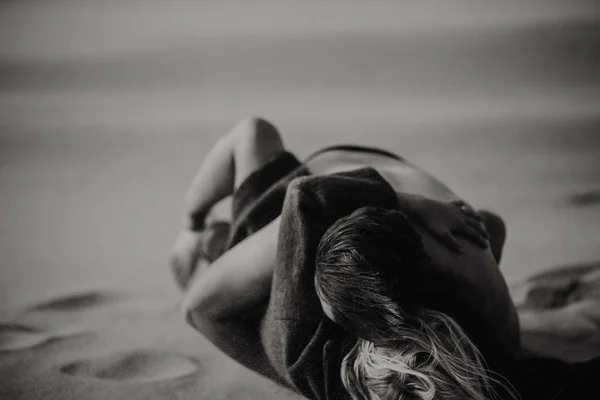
199 312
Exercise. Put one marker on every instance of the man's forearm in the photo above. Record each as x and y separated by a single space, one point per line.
239 280
223 301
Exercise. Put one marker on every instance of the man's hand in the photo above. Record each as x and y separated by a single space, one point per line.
448 220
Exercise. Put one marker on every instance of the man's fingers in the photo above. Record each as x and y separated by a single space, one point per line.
474 235
478 226
468 210
450 241
476 215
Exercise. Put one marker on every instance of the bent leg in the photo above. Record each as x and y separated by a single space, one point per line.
496 227
244 149
257 142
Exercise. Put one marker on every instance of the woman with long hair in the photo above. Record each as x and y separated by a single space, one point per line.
351 275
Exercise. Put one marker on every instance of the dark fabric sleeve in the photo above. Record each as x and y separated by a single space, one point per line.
260 198
294 314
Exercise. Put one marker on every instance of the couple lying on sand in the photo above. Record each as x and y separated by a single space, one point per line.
354 275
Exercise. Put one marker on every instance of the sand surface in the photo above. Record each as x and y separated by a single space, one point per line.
108 108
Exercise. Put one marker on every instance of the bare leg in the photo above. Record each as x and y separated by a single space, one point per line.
244 149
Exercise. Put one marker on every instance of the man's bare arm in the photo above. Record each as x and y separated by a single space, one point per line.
237 281
221 299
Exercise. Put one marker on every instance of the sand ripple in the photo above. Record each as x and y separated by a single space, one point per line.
146 365
14 337
74 302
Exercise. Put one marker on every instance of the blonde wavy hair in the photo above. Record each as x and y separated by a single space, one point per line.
432 358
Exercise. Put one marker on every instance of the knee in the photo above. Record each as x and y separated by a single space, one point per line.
257 135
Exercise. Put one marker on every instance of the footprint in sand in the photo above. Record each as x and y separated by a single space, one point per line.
15 337
584 199
143 365
74 302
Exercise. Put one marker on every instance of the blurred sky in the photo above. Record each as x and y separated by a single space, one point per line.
108 107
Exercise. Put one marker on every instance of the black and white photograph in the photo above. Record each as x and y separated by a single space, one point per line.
321 200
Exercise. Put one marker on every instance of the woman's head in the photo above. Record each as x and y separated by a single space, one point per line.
362 261
408 352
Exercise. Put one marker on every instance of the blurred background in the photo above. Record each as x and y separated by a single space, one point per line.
107 109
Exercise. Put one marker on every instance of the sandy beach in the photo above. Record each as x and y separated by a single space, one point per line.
107 110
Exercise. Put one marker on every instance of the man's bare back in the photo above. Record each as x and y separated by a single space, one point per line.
403 176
